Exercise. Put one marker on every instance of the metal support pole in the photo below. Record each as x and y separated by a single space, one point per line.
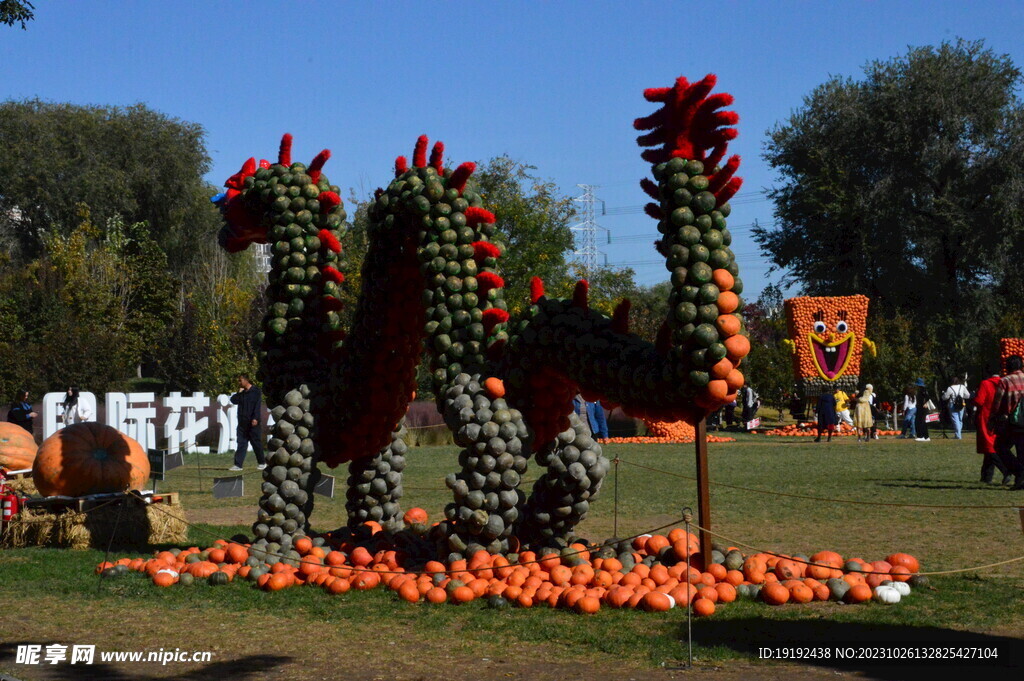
615 516
703 491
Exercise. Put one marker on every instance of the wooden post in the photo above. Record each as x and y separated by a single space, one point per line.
703 492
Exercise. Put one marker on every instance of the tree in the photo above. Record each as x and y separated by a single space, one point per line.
533 221
133 163
902 357
88 310
769 367
908 186
16 11
649 310
607 286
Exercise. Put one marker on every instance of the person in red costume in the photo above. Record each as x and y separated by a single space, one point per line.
986 438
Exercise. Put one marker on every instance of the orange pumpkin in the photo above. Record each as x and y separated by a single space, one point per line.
703 607
17 447
414 516
774 594
904 559
89 458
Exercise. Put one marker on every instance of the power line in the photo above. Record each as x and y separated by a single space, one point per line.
633 210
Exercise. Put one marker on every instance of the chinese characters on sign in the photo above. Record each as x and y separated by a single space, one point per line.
182 418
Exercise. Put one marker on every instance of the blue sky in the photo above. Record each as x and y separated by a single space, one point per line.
556 85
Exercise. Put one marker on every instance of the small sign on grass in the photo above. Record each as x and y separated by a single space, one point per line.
325 487
228 487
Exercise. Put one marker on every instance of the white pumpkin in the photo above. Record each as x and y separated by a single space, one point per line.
902 587
887 594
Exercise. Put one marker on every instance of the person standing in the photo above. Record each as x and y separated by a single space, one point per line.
250 401
921 415
955 398
863 420
909 413
749 401
986 437
598 422
730 414
877 414
1007 417
843 407
21 413
73 411
826 415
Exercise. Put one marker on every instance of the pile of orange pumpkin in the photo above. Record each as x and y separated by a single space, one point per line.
811 430
575 579
666 432
1008 347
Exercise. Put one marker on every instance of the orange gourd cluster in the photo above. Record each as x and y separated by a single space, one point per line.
1009 347
811 430
726 378
581 582
829 319
666 432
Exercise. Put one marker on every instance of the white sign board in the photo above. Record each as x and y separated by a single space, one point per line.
135 414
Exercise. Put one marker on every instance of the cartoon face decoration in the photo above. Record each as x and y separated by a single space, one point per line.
827 337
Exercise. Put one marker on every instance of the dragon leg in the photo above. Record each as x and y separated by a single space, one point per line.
375 485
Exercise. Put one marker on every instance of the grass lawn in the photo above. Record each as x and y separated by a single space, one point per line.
53 596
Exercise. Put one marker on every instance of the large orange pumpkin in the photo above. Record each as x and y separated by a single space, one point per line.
17 447
89 458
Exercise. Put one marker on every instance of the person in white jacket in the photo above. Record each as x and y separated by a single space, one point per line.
956 397
74 412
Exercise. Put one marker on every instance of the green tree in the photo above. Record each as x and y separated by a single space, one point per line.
16 12
908 186
133 163
649 310
219 308
533 221
902 357
769 367
607 286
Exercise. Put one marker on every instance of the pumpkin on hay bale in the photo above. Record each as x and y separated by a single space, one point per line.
17 447
89 458
136 525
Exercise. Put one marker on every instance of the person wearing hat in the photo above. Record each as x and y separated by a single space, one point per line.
921 417
909 412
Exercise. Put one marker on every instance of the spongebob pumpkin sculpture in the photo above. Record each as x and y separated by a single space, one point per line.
827 338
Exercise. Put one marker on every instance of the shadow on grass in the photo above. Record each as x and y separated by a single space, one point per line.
748 635
241 668
936 484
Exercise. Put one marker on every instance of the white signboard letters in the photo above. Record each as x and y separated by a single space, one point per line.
136 415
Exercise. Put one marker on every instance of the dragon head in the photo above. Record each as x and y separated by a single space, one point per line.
249 215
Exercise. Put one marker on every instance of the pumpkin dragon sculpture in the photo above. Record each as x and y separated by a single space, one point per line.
504 386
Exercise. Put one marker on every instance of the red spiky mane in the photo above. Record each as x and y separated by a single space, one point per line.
691 125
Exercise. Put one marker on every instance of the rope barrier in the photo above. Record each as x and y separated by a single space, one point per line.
836 501
736 542
354 568
40 521
687 519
